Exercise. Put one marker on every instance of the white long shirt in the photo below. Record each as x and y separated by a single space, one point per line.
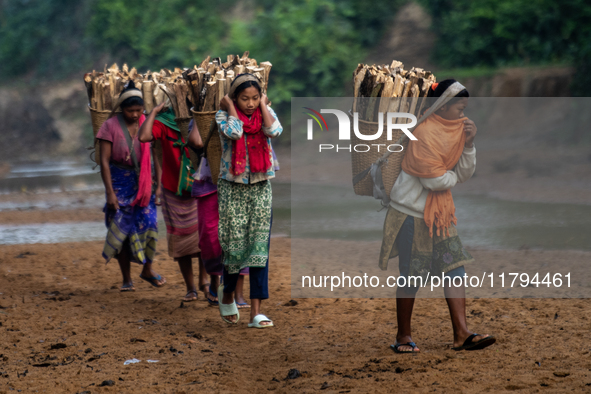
409 193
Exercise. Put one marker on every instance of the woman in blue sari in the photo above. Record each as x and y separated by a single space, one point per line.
130 211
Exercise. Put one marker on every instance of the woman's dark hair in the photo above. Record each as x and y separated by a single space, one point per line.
442 87
131 101
245 85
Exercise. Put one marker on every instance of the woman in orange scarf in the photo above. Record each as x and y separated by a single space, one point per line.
419 226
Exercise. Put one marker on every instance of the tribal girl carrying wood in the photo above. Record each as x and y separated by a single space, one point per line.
419 226
130 211
246 125
179 208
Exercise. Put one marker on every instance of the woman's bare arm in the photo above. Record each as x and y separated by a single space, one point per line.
195 137
145 133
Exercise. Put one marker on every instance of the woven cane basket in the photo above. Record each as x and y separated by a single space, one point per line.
214 147
97 119
363 160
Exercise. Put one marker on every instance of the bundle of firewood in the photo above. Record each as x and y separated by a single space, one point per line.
201 87
209 82
383 89
104 88
380 84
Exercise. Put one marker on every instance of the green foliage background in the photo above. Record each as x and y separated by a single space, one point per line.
313 44
513 32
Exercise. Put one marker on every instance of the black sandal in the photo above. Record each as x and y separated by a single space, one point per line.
187 298
411 344
469 343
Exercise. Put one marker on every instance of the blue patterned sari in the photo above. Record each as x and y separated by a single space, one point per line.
139 224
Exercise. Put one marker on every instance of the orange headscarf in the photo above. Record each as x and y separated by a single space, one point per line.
438 148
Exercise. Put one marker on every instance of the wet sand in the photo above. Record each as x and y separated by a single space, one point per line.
64 296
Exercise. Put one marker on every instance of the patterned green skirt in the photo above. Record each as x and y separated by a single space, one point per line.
245 222
428 255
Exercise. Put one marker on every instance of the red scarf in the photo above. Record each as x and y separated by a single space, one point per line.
259 155
144 192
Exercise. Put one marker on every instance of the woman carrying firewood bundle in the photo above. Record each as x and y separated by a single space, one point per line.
126 169
179 208
419 225
206 193
246 125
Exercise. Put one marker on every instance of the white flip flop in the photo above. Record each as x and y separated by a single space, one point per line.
227 309
258 319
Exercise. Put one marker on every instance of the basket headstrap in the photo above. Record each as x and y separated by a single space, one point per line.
125 130
126 95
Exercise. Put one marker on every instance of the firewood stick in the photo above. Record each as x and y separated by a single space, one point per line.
244 57
424 92
181 101
99 95
221 85
114 69
397 92
369 115
404 102
118 86
239 69
184 96
386 94
358 79
148 93
267 67
159 95
195 90
206 78
204 64
229 80
170 93
107 100
210 97
414 94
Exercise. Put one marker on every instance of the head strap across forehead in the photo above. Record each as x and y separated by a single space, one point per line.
239 81
449 93
128 94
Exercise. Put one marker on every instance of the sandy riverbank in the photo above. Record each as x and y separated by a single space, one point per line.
64 294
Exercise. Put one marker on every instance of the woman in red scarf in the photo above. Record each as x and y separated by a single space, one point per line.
246 124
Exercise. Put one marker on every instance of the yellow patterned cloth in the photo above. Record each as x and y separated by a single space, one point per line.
434 255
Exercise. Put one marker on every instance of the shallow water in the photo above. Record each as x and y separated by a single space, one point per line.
47 177
337 213
305 211
51 233
51 176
